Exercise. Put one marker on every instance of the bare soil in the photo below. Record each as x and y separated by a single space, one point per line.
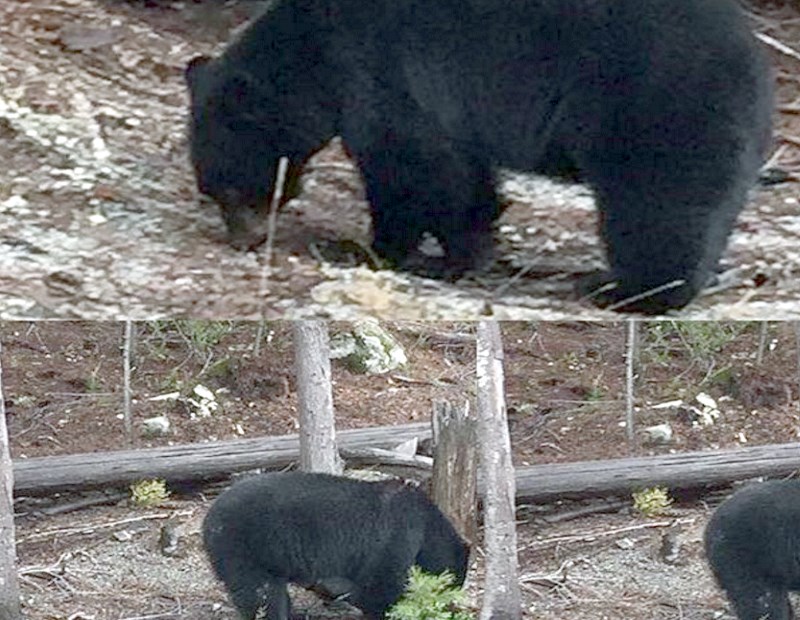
101 219
565 394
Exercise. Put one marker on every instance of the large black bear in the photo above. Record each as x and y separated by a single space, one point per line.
662 106
342 536
753 545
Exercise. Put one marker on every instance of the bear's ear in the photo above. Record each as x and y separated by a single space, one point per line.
197 67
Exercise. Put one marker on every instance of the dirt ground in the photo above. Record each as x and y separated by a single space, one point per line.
565 393
101 219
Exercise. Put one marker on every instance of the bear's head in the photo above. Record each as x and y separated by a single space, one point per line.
237 134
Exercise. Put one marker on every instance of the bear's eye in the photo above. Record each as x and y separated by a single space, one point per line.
241 122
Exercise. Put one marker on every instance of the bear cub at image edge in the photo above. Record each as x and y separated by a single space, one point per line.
752 543
661 106
345 537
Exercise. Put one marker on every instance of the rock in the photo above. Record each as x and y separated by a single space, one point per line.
156 427
368 349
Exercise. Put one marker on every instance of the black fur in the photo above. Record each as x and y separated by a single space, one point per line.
662 106
344 537
753 547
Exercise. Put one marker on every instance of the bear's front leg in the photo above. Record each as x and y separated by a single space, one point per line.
417 185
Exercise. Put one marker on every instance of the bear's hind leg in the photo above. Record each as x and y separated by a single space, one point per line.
739 572
256 595
274 600
756 601
664 226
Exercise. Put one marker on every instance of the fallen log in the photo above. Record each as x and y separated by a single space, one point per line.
216 460
684 470
188 462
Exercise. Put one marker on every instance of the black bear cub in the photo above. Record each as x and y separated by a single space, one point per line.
344 537
661 106
753 546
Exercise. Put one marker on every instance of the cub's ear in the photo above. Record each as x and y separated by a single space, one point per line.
195 70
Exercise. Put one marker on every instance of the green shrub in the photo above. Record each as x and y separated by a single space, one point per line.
430 597
652 502
149 492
